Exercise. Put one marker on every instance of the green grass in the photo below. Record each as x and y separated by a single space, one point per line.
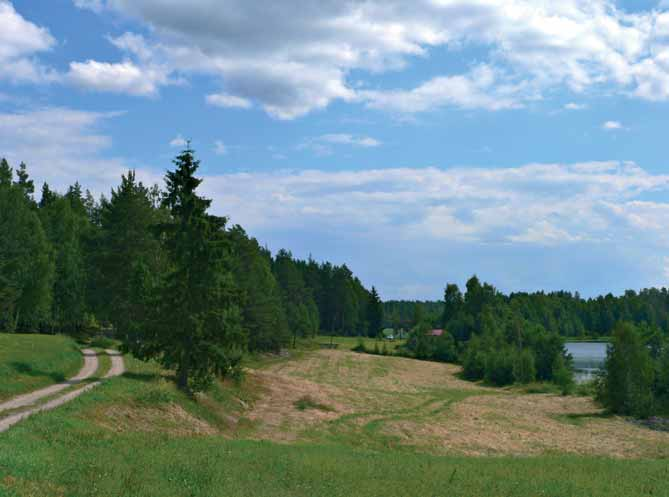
28 362
348 343
69 451
306 402
57 458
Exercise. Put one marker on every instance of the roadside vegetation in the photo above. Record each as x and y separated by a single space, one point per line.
29 362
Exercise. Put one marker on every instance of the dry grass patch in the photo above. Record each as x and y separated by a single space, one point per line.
276 413
171 419
531 425
383 400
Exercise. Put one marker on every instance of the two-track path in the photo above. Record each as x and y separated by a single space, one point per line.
90 367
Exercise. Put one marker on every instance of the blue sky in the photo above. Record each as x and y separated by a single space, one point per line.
522 140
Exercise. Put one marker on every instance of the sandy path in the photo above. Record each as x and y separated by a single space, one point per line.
28 399
117 369
117 365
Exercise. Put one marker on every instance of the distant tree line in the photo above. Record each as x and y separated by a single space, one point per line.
492 339
173 281
565 313
406 313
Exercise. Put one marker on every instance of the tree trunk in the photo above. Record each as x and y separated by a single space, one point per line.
182 377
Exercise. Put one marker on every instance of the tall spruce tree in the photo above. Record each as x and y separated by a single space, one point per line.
195 323
298 302
126 241
65 230
374 313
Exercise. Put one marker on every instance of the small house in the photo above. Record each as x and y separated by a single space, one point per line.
388 334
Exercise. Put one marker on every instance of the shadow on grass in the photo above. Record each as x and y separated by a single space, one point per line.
583 417
28 370
144 377
590 415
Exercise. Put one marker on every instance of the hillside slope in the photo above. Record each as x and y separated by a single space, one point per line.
329 423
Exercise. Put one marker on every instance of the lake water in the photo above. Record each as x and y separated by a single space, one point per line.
588 358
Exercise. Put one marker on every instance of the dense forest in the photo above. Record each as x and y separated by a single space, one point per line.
565 313
519 338
172 280
406 313
490 337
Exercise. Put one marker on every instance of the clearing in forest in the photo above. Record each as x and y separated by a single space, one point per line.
376 401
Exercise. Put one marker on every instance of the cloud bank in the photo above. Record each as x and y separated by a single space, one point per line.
295 57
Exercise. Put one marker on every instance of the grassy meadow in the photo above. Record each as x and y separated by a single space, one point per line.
348 343
29 362
329 423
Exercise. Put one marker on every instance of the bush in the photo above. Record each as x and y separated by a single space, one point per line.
628 374
499 367
444 348
360 347
562 375
524 370
474 362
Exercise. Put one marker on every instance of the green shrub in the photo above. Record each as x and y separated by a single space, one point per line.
562 375
499 367
524 370
628 374
360 346
474 362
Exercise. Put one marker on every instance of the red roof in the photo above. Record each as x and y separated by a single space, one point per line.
436 333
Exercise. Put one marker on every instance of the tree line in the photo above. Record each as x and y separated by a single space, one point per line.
173 281
565 313
491 338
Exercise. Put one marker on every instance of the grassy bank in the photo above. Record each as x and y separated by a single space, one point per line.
371 426
146 466
28 362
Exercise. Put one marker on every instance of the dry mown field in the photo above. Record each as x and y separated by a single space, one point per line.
378 401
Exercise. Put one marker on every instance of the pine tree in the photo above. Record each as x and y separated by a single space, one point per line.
47 196
264 316
6 173
374 313
65 230
24 182
195 327
298 303
26 268
126 241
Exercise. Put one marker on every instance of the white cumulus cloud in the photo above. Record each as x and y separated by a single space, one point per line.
231 101
20 41
178 141
292 58
220 148
612 125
